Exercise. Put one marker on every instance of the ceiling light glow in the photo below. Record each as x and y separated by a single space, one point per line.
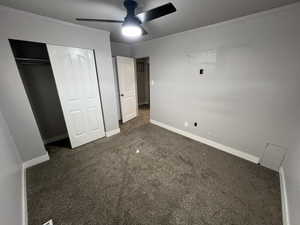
132 31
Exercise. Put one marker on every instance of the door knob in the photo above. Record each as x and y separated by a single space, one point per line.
122 95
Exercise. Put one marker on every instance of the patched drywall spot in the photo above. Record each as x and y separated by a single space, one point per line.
203 62
273 156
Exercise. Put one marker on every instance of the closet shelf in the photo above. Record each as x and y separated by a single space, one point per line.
32 60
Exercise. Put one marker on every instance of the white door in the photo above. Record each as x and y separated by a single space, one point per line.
127 86
77 85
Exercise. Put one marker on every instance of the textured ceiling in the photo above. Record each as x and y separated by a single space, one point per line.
190 13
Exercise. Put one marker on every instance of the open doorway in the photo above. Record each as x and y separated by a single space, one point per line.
143 82
143 87
132 78
143 95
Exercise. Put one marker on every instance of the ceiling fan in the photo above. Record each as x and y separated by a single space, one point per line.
132 23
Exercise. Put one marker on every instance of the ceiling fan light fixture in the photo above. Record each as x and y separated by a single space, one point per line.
132 30
132 25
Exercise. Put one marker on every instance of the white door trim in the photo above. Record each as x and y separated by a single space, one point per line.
284 199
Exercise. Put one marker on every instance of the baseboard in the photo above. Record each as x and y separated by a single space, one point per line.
36 161
214 144
26 165
56 138
284 199
24 197
112 132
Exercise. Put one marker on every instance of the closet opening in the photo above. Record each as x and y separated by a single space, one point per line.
34 67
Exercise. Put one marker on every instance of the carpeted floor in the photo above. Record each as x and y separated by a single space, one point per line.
142 119
149 176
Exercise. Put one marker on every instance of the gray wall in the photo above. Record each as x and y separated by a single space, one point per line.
249 94
10 178
120 49
15 106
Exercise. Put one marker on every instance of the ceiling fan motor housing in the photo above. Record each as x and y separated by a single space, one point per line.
130 18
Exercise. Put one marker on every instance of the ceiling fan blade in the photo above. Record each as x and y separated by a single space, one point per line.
99 20
156 12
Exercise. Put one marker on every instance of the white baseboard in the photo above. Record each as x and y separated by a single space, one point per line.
284 199
36 161
24 197
56 138
214 144
112 132
26 165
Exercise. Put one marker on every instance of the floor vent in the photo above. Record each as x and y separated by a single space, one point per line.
50 222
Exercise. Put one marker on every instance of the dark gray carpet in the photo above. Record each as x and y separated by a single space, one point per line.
142 119
171 181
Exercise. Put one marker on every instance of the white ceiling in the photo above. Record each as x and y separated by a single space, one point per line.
190 13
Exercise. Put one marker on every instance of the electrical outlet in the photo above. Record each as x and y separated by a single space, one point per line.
186 124
195 124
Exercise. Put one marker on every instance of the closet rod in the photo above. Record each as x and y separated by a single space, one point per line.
32 60
34 63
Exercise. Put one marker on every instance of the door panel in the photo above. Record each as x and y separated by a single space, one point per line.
93 122
76 118
76 80
127 86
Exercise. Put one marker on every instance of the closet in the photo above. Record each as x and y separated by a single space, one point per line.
62 87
